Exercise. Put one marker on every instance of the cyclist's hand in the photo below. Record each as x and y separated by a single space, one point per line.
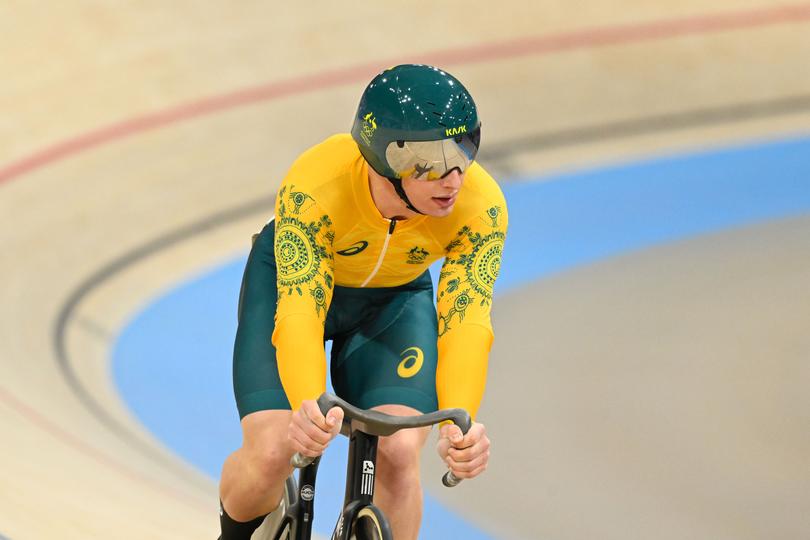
310 432
468 455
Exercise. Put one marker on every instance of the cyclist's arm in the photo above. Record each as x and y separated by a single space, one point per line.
464 299
305 264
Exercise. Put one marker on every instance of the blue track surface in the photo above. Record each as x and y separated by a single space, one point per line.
172 361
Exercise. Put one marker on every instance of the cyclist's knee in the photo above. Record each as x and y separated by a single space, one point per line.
265 443
272 464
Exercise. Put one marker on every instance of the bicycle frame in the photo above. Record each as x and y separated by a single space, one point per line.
360 477
301 513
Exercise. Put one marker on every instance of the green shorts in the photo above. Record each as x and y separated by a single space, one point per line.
383 340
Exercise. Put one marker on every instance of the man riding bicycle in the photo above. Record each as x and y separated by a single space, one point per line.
359 219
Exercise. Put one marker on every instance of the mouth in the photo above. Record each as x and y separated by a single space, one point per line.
446 202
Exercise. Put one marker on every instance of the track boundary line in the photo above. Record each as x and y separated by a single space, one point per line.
35 417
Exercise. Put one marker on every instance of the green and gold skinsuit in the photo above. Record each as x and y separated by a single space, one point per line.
329 266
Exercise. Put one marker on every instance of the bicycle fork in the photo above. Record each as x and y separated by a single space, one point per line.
360 478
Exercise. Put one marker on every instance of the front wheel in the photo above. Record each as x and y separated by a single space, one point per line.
370 524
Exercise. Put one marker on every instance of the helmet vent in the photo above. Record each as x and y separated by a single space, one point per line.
440 115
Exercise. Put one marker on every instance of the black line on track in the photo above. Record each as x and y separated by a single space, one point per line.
68 311
498 151
704 117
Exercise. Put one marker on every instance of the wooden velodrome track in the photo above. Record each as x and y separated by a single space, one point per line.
143 141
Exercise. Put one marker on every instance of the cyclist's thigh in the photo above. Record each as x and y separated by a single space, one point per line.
256 382
391 358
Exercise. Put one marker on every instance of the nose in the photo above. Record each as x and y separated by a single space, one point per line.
453 179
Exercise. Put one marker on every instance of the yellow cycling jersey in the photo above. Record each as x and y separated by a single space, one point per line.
329 232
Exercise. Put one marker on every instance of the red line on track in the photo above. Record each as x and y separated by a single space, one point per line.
587 38
34 417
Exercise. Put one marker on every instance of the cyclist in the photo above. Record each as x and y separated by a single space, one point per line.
359 218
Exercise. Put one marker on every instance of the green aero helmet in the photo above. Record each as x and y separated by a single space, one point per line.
416 120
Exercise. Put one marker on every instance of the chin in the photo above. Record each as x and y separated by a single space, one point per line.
440 212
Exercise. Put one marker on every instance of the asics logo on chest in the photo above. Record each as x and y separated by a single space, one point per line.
354 249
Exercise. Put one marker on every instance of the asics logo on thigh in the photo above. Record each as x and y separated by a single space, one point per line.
412 363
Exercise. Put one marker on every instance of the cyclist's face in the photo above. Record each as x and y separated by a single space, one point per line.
435 197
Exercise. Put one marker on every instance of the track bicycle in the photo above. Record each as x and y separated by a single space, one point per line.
359 518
